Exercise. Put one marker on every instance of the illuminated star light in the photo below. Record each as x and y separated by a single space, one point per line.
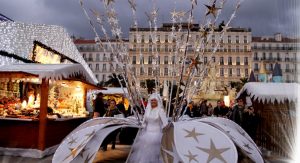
193 134
132 4
191 156
212 9
213 152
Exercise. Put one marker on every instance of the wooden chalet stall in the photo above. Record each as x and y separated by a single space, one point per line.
275 104
40 105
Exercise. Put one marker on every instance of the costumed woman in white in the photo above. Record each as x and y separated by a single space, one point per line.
146 148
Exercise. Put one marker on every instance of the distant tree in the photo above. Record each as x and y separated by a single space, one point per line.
149 84
238 85
113 81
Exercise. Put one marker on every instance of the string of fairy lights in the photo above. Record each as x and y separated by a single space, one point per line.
187 69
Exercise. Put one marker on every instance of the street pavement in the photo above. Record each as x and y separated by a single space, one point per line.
118 155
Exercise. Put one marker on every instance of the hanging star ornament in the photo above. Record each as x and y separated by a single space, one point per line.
193 134
213 152
191 157
195 63
212 9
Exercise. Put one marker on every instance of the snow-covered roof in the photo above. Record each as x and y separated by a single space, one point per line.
110 90
49 71
269 92
18 39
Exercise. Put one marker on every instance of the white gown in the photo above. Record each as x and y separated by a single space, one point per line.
146 148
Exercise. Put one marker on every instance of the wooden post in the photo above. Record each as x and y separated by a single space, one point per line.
43 114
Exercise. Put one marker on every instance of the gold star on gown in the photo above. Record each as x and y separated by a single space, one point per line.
191 156
213 152
193 134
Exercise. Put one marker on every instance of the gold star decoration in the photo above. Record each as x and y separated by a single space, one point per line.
191 156
195 63
72 141
212 9
73 152
193 134
213 152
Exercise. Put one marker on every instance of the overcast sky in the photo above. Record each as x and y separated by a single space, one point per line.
264 17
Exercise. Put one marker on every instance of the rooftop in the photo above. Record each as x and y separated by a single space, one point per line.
90 41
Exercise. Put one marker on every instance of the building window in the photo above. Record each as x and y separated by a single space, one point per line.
104 67
90 57
104 77
229 60
264 56
150 71
237 40
246 72
238 72
230 72
141 71
133 60
221 60
97 67
91 67
256 67
270 56
158 60
150 59
205 60
245 40
221 71
173 59
238 61
104 57
229 39
84 56
97 57
166 60
255 56
246 61
166 72
142 60
96 76
213 59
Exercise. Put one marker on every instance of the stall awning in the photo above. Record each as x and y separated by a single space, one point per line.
269 92
50 71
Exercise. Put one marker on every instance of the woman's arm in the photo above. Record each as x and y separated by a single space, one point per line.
163 118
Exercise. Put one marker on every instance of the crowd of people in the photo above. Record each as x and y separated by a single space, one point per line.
238 112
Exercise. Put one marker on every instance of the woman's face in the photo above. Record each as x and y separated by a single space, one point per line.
112 104
153 103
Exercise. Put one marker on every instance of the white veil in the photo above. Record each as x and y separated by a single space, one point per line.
160 109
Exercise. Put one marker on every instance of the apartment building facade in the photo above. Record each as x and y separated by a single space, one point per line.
232 58
100 59
269 50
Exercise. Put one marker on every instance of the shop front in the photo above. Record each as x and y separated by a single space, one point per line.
39 105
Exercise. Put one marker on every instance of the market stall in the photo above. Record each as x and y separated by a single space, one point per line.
117 94
275 104
39 105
